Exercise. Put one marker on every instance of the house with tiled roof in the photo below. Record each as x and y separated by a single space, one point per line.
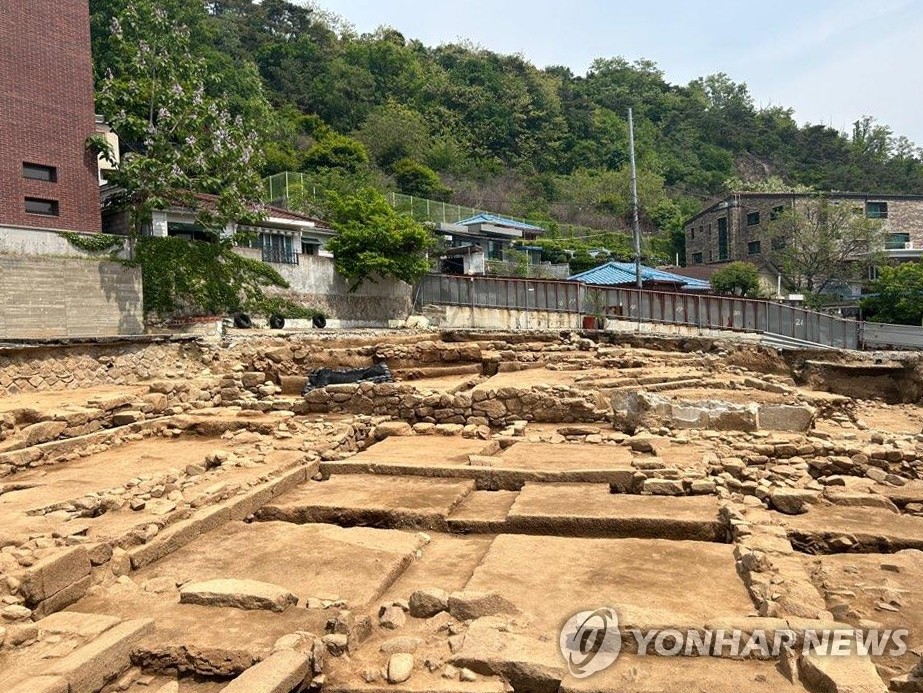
282 236
623 274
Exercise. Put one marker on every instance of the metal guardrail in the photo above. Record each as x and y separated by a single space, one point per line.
729 313
683 308
497 292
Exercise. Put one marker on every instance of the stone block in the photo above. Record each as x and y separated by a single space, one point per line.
178 535
292 384
88 668
785 417
51 575
239 594
281 672
62 598
469 605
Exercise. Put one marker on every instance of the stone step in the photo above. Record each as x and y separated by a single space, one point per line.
492 469
483 512
839 529
590 510
400 502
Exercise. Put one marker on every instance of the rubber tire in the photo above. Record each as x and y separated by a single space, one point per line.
319 321
276 321
242 321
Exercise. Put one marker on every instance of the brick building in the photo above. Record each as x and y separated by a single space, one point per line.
48 179
737 226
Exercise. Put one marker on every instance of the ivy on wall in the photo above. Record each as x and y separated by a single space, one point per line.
93 243
184 278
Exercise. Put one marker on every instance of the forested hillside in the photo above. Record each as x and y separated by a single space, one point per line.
461 123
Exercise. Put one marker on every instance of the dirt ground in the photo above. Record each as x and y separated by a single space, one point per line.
209 538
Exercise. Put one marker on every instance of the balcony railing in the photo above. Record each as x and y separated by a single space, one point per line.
280 256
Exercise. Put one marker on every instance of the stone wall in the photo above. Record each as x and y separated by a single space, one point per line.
47 296
481 407
639 409
119 362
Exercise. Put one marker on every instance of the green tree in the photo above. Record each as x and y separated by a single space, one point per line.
581 261
335 151
177 141
375 241
394 132
898 295
737 278
414 178
820 242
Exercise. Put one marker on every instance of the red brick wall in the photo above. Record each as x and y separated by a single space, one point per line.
46 112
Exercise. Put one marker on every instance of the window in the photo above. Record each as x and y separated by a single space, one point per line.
309 246
278 249
776 212
49 174
697 258
722 239
778 243
876 210
898 241
753 218
36 205
692 233
753 248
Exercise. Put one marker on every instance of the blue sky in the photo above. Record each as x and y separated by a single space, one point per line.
833 62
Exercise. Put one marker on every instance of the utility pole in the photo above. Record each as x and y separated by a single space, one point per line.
635 231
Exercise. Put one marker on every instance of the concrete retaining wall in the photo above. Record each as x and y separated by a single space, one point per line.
49 296
455 317
315 284
634 327
16 240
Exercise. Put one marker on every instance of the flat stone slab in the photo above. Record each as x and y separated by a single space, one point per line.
420 682
647 581
404 502
424 450
565 456
875 587
240 594
590 510
483 512
874 530
70 480
635 674
313 560
508 470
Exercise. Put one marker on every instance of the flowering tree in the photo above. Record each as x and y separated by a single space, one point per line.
177 141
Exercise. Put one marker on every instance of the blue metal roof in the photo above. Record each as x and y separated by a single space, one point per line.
615 273
499 221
